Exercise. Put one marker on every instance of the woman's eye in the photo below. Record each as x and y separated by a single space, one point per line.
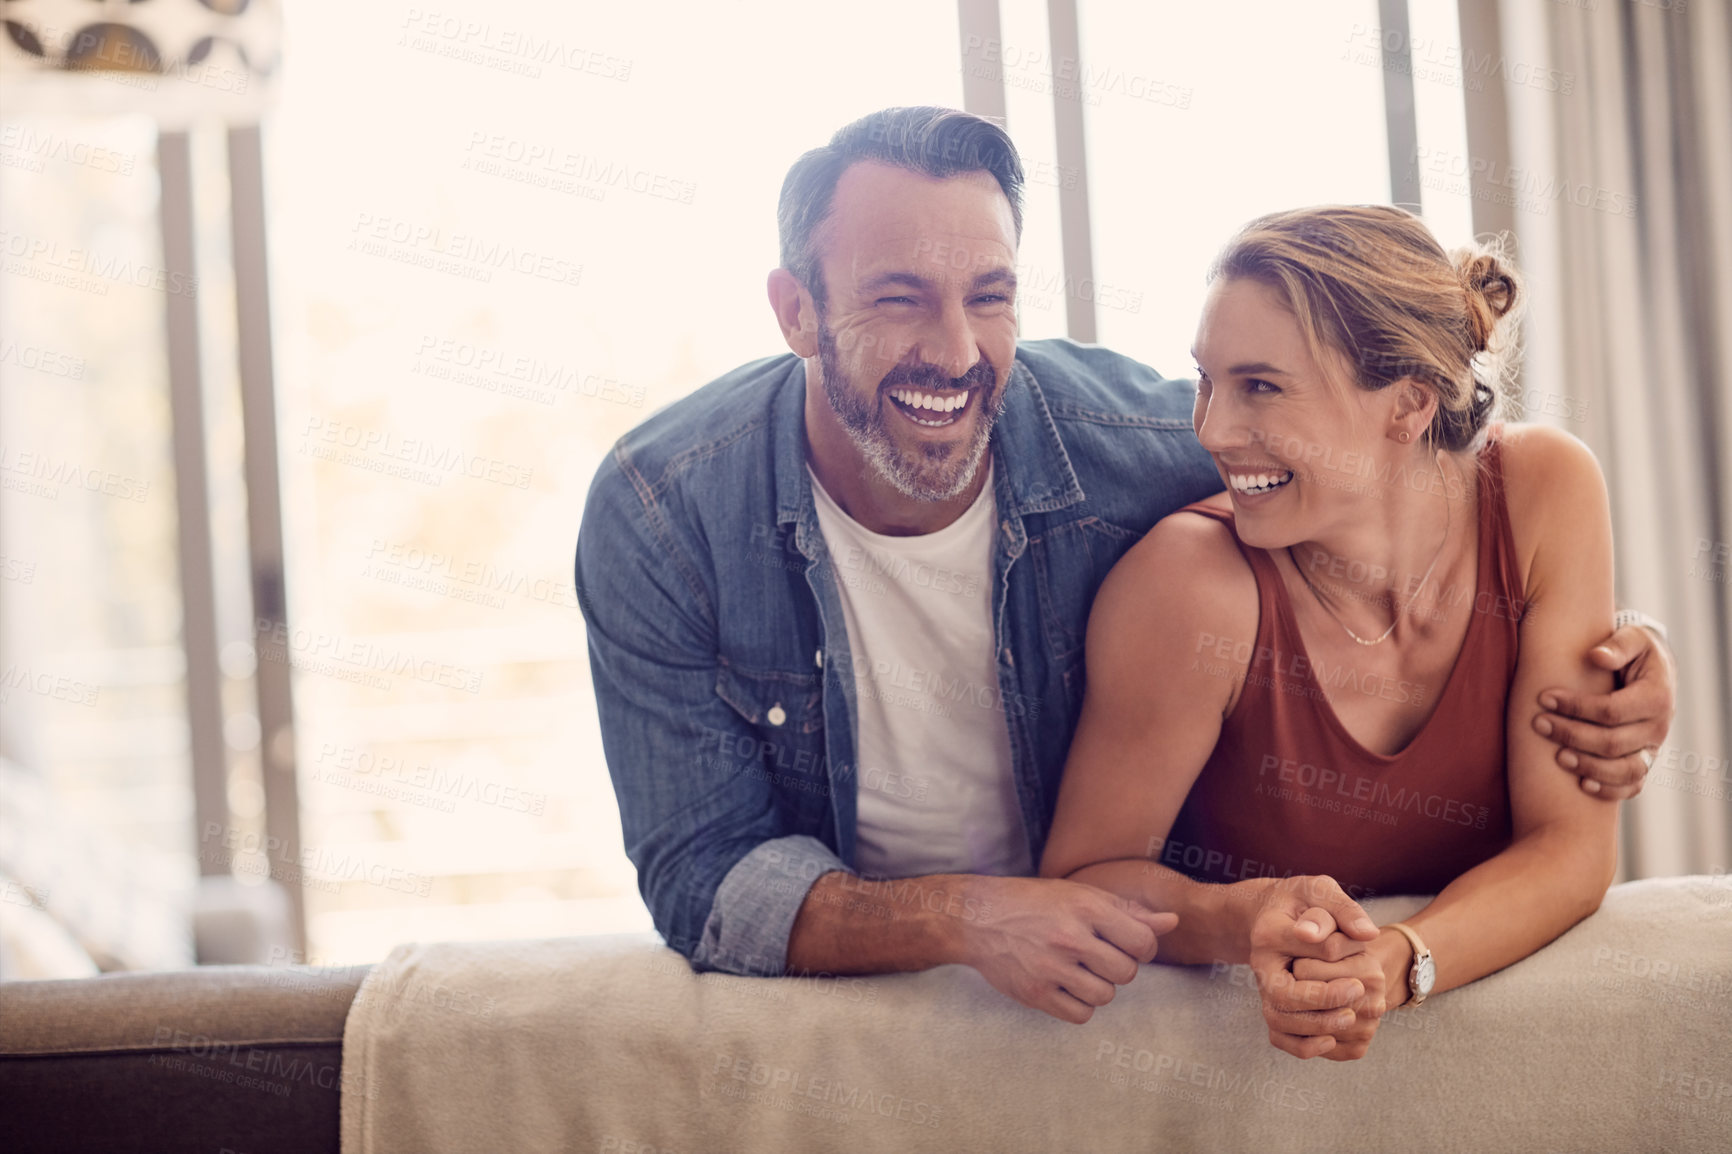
1256 385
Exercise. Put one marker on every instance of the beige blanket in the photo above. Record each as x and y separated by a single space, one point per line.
1617 1037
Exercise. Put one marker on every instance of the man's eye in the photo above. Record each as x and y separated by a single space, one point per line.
895 300
991 299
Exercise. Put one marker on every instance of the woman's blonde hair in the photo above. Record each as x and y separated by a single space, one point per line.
1373 284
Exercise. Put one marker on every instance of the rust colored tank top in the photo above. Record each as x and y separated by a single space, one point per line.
1289 791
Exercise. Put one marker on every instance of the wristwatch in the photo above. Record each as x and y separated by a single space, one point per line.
1422 975
1625 617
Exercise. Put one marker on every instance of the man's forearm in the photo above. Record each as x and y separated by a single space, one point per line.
854 925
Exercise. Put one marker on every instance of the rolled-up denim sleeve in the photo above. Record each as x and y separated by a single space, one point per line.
720 869
753 913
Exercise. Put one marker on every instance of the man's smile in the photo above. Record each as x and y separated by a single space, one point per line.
929 408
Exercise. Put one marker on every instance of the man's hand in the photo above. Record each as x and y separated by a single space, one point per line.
1058 946
1308 918
1606 738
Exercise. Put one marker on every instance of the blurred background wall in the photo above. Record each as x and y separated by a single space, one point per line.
316 318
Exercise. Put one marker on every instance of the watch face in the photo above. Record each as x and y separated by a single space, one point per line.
1424 974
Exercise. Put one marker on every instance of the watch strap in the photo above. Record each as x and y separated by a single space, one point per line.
1419 953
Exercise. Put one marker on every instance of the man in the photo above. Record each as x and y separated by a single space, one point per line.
836 600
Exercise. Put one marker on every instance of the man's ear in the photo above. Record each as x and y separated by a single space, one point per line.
795 312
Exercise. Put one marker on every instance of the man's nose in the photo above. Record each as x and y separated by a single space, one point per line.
949 343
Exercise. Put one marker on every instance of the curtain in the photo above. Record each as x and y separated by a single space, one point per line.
1619 168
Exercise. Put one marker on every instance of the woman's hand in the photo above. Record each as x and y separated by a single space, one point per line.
1381 970
1310 919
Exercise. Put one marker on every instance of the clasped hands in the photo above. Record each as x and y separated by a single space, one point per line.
1324 986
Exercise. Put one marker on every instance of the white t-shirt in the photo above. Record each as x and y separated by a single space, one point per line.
935 788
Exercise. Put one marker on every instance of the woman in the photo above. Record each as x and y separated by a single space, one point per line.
1321 684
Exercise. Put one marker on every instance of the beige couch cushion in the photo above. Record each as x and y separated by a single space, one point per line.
1613 1038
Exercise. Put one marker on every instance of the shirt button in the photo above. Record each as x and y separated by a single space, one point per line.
819 657
777 715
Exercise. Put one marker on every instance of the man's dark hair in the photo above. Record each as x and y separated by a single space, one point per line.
939 142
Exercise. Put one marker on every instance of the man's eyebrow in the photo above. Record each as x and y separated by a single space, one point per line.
886 280
999 277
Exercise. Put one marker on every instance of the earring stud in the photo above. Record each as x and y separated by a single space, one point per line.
1402 437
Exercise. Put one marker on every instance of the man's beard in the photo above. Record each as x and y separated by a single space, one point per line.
933 472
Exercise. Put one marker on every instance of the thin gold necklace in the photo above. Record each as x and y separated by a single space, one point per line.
1384 636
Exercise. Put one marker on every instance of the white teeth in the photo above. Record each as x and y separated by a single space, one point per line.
1259 482
929 401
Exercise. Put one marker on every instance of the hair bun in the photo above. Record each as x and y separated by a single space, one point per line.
1492 290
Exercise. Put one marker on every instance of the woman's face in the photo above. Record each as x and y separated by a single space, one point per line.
1300 448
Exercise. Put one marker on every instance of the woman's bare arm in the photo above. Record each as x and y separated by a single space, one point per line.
1565 852
1152 713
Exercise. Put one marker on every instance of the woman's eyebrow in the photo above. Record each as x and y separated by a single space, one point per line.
1259 368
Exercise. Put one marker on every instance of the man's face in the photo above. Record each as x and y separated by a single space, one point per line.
918 332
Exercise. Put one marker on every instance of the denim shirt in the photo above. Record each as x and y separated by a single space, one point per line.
723 674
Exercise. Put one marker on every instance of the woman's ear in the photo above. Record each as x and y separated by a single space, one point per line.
795 312
1415 409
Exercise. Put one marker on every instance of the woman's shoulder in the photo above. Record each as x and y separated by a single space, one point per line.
1551 481
1546 467
1190 569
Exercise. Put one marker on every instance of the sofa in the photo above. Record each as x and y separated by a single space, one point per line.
1612 1038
